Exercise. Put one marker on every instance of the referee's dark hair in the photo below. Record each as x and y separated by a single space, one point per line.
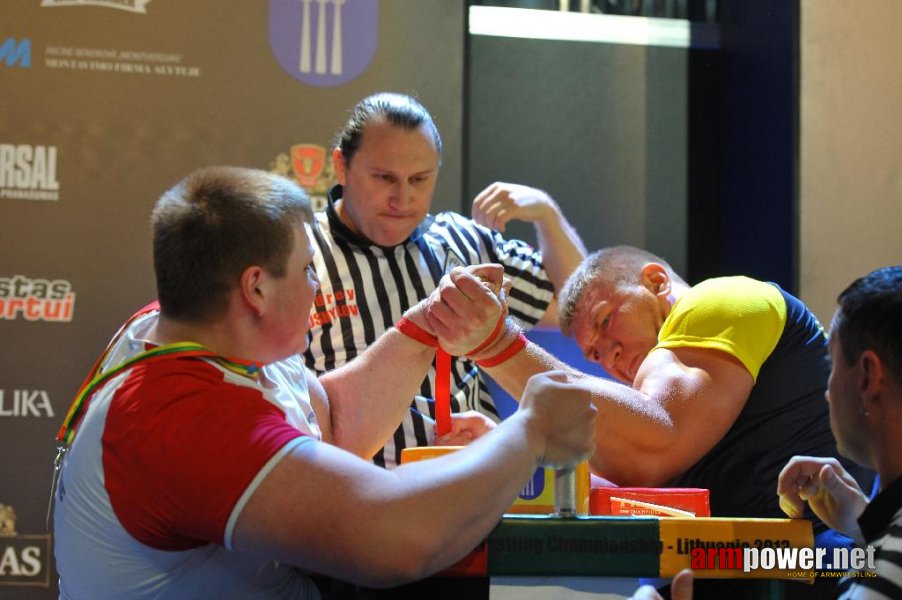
399 110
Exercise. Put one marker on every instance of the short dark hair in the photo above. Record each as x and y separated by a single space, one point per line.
616 266
214 224
870 318
399 110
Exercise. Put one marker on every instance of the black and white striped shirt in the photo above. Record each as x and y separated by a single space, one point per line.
881 525
364 290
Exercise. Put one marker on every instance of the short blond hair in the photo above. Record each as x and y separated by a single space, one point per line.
616 266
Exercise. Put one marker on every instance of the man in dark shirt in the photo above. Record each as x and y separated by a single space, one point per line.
865 399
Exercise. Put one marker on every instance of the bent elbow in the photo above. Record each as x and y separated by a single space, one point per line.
402 564
635 470
400 576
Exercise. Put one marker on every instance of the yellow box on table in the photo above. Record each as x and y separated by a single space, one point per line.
536 497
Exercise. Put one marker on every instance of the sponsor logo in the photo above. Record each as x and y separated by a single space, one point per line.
25 403
36 299
535 486
23 558
323 42
310 165
308 161
7 521
135 6
769 555
332 306
28 172
16 53
120 62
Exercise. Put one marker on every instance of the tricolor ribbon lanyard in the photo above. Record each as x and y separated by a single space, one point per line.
96 379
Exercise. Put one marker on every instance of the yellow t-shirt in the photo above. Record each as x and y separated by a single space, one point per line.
737 315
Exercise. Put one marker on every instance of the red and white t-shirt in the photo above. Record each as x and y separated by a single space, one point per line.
166 458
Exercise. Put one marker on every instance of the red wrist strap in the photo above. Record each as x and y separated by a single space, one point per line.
492 336
515 346
412 330
442 373
442 393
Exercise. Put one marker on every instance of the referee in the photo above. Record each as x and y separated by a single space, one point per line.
379 251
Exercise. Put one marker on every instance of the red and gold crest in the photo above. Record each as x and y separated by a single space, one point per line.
308 161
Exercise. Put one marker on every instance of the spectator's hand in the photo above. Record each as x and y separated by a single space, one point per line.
465 427
561 411
832 493
500 203
467 305
680 588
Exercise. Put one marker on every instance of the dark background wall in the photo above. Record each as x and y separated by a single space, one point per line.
686 151
602 127
759 121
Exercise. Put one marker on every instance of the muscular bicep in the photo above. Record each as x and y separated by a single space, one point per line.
702 391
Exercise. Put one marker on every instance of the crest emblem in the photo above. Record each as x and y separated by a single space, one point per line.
311 167
323 42
308 161
7 521
535 486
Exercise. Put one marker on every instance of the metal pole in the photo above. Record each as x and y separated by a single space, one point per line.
565 493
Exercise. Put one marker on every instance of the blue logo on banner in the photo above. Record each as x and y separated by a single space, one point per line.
13 52
323 42
535 487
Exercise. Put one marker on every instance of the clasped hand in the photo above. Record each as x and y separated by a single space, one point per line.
465 308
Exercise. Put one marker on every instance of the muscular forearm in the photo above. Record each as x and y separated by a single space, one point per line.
634 433
513 374
324 510
369 395
636 441
489 474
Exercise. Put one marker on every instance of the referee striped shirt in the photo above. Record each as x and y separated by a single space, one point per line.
365 288
881 524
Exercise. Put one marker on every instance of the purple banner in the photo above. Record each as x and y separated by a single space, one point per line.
323 42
